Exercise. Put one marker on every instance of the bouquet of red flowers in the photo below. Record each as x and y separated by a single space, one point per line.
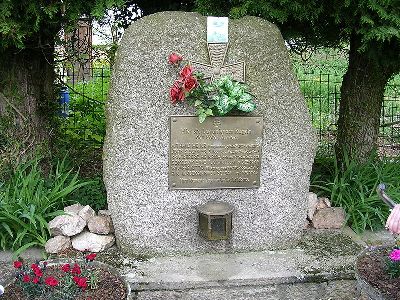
217 98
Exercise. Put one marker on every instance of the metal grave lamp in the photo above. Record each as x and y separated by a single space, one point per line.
215 220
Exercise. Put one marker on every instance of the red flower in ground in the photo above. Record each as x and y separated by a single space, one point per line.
26 278
190 83
186 71
174 58
17 264
51 281
91 256
34 266
66 268
80 281
76 269
35 280
38 272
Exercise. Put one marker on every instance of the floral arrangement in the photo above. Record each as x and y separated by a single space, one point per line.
393 263
217 98
37 280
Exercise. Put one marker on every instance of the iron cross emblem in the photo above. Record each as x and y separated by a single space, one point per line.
217 69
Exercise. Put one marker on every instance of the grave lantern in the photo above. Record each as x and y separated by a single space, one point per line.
215 220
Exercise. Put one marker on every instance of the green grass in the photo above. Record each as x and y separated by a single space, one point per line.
354 188
29 200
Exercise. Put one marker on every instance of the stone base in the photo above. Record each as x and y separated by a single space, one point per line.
320 267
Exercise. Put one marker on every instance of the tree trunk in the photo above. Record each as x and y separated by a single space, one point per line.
362 94
26 98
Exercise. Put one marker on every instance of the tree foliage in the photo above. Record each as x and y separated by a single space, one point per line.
325 23
24 21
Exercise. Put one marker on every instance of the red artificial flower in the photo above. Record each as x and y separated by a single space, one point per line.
66 268
35 280
176 93
17 264
174 58
190 83
51 281
186 71
26 278
91 256
76 269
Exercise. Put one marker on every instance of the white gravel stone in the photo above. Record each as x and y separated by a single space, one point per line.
87 241
68 225
57 244
100 225
86 213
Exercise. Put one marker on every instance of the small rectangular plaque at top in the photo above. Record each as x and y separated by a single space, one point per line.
221 152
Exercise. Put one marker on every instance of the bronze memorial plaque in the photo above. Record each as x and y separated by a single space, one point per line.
221 152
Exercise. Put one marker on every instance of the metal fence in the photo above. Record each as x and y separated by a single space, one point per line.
320 87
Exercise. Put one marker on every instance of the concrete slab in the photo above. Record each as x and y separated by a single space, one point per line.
320 267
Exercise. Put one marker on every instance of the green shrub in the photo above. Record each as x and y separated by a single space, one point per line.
93 194
354 188
29 200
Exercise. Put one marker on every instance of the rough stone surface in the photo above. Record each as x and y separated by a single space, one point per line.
87 241
57 244
104 212
312 205
150 219
329 218
323 203
68 225
86 213
73 209
285 274
100 225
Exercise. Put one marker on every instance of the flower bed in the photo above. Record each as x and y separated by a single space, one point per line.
377 272
66 279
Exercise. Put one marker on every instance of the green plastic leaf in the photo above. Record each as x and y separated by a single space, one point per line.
246 107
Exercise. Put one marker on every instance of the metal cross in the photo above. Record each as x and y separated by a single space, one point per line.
217 69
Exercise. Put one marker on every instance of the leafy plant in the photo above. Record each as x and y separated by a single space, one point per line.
353 187
93 194
29 200
216 98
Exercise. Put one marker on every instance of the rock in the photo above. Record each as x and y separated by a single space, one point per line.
150 218
86 213
329 218
100 225
57 244
68 225
312 205
104 212
87 241
73 209
323 203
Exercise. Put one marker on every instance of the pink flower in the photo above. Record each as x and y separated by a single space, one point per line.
26 278
395 255
38 272
35 280
174 58
17 264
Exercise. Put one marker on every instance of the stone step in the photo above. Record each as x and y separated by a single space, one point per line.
320 267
